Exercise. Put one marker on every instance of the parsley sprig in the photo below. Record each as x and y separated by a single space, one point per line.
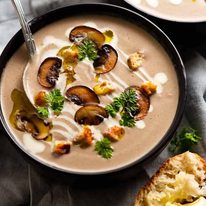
184 140
43 112
103 147
87 49
126 105
127 120
55 101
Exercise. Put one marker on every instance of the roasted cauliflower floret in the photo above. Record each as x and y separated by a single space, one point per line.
85 138
61 147
114 133
135 60
40 99
103 88
149 88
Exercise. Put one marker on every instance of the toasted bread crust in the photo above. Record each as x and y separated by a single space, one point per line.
169 169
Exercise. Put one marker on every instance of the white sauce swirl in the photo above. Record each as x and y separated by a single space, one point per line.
153 3
32 145
175 2
140 124
161 78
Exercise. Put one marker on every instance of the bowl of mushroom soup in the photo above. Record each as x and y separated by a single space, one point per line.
106 90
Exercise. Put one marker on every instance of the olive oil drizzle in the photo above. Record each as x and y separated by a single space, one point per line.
24 118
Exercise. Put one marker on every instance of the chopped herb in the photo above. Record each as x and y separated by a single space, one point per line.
43 112
127 120
87 49
184 140
111 110
104 148
126 105
55 100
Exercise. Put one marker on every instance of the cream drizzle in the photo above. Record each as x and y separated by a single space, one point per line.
111 122
65 134
61 84
123 84
88 75
122 62
90 72
96 133
121 88
140 76
153 3
72 109
140 124
175 2
161 78
70 120
32 145
48 40
126 56
65 126
143 71
49 53
151 108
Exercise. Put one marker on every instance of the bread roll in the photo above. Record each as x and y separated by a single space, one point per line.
181 180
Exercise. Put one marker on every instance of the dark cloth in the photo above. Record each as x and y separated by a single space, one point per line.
22 184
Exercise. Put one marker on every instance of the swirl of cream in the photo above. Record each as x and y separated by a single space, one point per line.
153 3
176 2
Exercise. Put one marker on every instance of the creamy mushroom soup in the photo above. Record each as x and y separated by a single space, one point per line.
103 93
176 10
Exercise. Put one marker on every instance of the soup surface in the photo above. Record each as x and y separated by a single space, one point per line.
175 10
154 78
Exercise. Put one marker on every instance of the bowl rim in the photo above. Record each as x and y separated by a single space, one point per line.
165 17
37 24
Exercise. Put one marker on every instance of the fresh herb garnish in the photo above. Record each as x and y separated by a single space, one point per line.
87 49
43 112
126 105
55 100
184 140
127 120
104 148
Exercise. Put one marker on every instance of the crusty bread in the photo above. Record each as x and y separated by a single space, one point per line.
180 179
